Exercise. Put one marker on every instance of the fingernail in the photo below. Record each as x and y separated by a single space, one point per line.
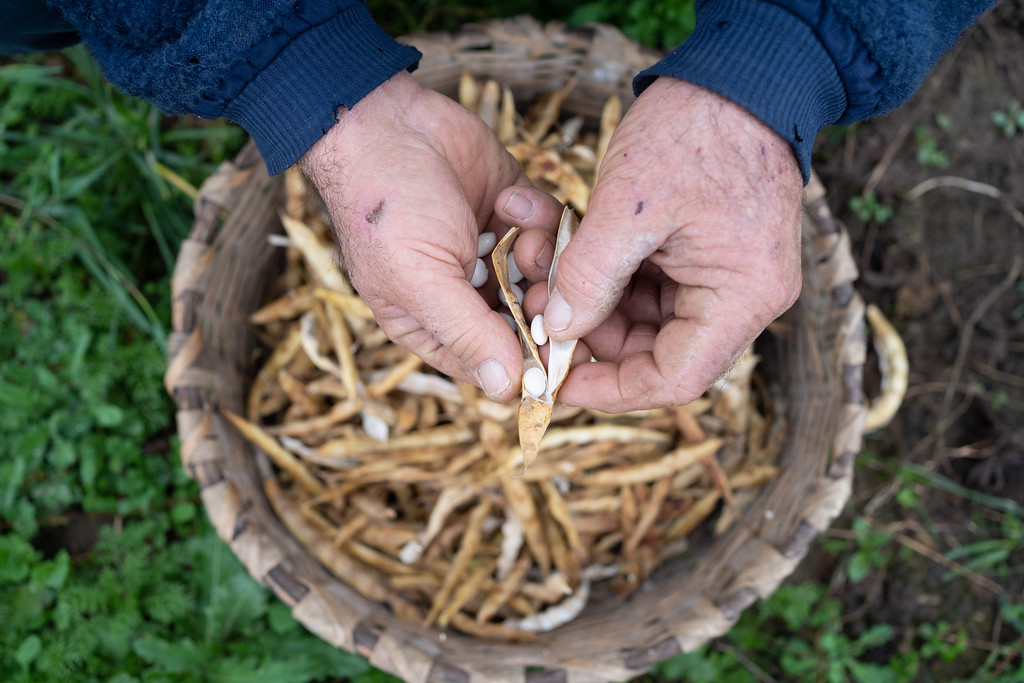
546 255
557 315
493 378
519 207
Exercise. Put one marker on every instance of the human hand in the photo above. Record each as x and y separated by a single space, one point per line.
410 179
689 248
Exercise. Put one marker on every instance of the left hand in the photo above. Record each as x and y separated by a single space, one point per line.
410 178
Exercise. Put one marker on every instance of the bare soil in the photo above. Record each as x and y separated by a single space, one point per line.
946 270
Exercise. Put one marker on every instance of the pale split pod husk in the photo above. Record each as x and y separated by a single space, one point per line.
535 411
895 369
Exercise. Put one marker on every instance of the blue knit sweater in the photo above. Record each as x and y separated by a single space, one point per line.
281 68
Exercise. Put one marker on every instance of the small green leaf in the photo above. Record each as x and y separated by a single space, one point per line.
1013 613
907 498
863 672
182 513
16 558
62 454
858 567
88 465
692 666
798 657
173 657
16 396
123 678
836 672
875 636
108 415
168 602
280 618
32 442
883 212
53 573
28 650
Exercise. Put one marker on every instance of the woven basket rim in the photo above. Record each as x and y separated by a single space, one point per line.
206 372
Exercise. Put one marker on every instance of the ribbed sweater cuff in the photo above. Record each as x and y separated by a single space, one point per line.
765 59
291 103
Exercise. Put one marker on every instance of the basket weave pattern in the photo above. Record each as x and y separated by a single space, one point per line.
817 360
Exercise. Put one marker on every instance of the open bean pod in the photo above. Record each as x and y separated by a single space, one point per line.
536 407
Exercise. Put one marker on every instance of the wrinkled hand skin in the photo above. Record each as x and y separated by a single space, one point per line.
410 178
690 247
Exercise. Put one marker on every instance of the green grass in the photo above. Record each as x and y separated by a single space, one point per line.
89 228
658 23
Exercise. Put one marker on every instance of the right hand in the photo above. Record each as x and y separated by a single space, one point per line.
690 247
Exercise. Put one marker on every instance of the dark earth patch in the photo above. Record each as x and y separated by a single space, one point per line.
946 269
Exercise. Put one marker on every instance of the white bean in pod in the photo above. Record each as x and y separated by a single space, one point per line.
535 382
514 274
537 331
479 274
485 243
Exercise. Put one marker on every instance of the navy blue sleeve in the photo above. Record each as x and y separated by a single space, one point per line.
800 65
280 68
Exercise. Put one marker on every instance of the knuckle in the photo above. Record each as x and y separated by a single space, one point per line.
771 300
680 394
774 285
785 292
792 293
464 341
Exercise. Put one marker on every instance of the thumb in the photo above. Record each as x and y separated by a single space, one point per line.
594 270
469 341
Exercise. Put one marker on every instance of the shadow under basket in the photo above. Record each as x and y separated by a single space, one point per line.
814 358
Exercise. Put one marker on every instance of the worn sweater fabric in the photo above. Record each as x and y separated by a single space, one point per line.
282 68
279 68
800 65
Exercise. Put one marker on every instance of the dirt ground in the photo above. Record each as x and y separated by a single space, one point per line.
946 269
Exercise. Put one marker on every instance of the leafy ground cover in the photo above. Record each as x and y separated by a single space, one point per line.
109 570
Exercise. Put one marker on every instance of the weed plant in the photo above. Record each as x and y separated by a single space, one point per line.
1011 121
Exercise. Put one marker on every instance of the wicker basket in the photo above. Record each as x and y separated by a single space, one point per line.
816 361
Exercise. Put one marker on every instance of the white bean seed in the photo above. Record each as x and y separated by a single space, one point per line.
514 274
479 274
518 291
510 320
485 243
535 382
537 331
